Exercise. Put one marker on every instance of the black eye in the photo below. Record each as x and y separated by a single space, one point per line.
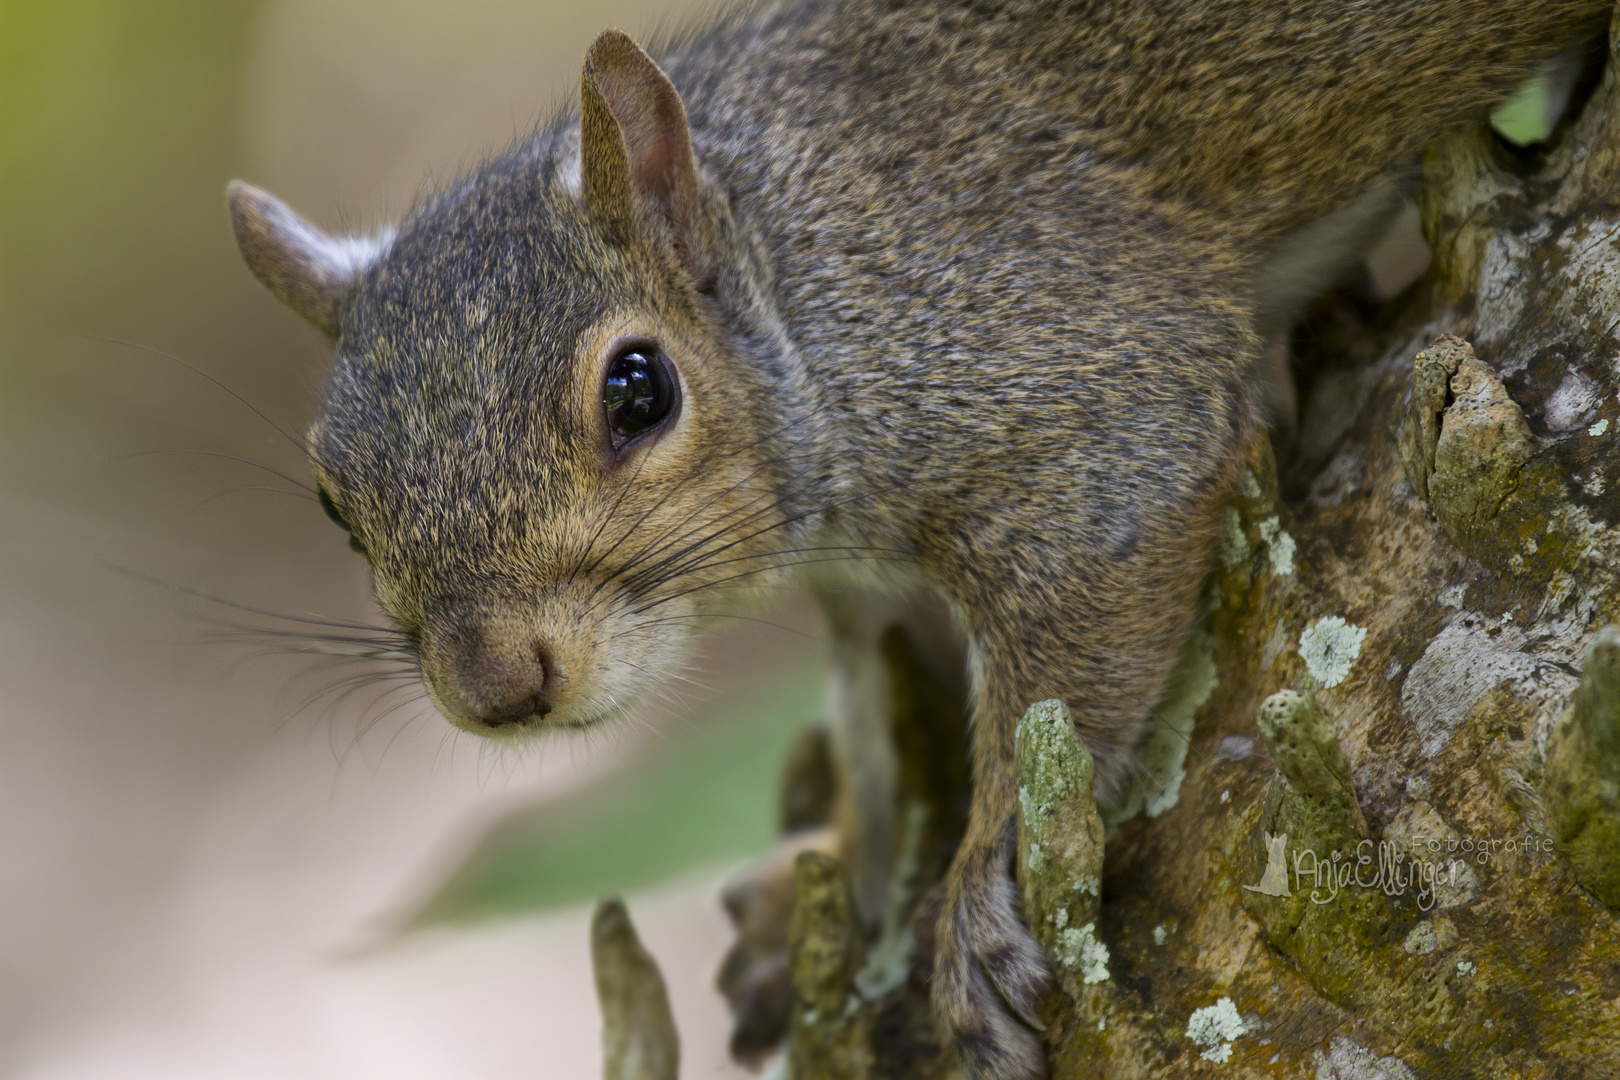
638 394
331 509
337 519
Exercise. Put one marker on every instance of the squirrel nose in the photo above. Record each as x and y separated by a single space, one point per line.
503 683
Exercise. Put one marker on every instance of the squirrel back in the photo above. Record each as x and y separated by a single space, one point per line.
1269 114
970 295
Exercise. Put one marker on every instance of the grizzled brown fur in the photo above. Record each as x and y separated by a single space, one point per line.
961 294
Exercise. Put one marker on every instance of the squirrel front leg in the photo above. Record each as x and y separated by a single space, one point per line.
989 972
1104 643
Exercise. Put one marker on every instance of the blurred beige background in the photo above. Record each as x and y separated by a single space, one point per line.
185 853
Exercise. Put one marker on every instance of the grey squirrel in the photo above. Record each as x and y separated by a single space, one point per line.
962 297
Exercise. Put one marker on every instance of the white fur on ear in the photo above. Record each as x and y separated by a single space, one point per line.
310 271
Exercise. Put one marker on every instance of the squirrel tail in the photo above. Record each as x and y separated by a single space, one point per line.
1283 110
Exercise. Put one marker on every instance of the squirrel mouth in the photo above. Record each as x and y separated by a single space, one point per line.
516 717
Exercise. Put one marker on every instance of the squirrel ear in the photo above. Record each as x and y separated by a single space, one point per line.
635 147
309 270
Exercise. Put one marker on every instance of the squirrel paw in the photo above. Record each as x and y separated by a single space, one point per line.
989 973
754 976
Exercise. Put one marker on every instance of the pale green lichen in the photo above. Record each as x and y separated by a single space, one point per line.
1214 1027
1161 933
1155 784
1251 484
1079 950
1346 1060
1465 967
1033 814
1329 648
888 964
1422 940
1598 428
1234 545
1279 545
1060 841
1048 729
1164 753
1025 802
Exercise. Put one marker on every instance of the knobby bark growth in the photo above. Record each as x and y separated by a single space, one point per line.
1389 843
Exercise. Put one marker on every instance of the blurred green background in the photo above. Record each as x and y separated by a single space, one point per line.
188 840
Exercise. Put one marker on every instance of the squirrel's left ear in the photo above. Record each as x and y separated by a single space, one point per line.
635 148
310 271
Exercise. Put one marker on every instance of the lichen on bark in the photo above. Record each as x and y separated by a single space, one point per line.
639 1041
828 1036
1060 845
1582 781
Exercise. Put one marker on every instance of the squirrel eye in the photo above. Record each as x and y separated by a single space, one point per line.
331 509
638 395
337 518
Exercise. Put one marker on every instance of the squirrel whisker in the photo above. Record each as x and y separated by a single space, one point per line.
306 620
334 645
693 469
633 583
747 573
416 718
769 496
698 618
253 487
227 457
366 728
856 551
723 527
303 447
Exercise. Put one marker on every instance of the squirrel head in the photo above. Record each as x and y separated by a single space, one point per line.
540 432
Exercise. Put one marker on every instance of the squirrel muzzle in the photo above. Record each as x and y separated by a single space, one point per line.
490 675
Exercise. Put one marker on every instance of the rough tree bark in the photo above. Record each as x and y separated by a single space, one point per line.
1378 833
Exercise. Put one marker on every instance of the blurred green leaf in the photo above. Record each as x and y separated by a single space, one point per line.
1525 117
702 797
